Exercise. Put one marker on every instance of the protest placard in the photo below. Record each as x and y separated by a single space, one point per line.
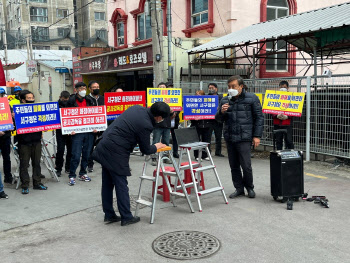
287 103
200 107
118 102
83 119
36 117
173 97
6 123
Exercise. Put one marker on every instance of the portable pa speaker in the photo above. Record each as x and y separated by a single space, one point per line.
286 173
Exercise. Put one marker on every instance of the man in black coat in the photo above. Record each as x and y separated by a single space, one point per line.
113 151
215 125
242 115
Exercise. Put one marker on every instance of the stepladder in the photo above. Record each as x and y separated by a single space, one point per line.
196 169
162 155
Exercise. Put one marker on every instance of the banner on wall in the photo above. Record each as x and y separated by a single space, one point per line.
200 107
36 117
118 102
6 123
173 97
83 119
284 102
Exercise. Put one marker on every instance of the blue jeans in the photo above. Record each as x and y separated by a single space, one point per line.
161 132
1 185
81 146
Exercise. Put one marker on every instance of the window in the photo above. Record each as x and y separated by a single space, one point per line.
144 28
199 12
64 48
99 1
276 62
41 47
99 16
39 1
62 12
19 14
120 34
40 33
102 34
38 14
63 32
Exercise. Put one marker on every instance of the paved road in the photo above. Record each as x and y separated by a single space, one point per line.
65 223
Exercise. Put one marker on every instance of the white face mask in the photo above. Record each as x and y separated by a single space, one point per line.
283 89
232 92
82 93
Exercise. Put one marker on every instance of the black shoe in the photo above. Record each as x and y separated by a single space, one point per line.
42 176
8 180
133 220
40 187
25 191
58 173
220 155
251 193
90 169
237 193
113 219
176 155
3 195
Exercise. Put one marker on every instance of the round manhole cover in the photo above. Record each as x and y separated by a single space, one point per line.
133 199
186 245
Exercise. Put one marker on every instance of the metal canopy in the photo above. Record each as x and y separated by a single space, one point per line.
325 30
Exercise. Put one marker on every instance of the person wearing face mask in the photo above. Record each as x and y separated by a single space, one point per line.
63 141
98 100
284 122
29 145
16 100
243 120
215 125
113 151
82 143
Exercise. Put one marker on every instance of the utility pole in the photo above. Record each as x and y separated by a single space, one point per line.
170 66
157 41
7 73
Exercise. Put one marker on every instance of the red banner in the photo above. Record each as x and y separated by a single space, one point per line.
6 123
83 119
118 102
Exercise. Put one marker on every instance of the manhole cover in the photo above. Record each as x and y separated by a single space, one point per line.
133 199
186 245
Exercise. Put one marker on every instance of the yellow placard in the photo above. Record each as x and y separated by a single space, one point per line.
284 102
173 97
260 96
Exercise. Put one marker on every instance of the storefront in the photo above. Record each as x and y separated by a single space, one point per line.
130 69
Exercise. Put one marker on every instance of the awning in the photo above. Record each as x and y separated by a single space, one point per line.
12 66
327 29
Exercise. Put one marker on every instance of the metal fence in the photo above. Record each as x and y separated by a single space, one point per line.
324 127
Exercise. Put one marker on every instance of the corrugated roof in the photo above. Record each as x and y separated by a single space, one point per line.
320 19
57 64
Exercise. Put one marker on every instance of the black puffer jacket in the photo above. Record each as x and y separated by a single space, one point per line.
73 103
244 118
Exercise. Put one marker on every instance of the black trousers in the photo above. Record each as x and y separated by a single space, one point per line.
204 136
110 181
62 142
27 152
288 139
5 148
217 128
175 145
239 157
90 160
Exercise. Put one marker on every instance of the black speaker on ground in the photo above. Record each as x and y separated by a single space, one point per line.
286 174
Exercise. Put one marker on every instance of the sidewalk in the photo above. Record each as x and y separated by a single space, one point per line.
65 223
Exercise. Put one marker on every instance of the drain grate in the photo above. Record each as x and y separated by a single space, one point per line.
133 199
186 245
